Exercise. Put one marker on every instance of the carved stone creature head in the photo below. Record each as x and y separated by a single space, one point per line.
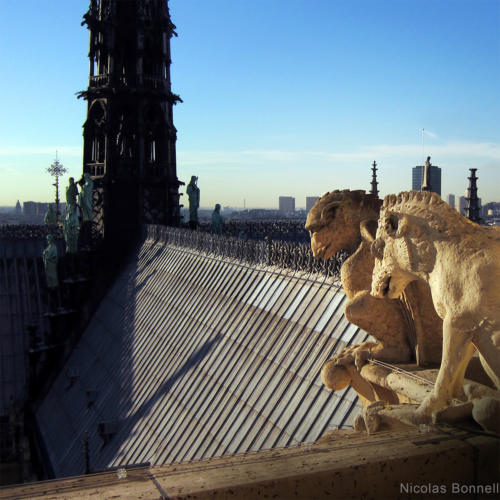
403 248
334 221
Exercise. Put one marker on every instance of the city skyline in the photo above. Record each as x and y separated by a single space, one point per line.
279 97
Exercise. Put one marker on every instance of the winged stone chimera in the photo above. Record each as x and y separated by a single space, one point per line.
420 238
406 328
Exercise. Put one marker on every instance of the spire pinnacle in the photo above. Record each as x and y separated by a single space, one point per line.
374 183
472 208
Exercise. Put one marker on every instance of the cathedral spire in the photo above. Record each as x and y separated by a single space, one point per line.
129 134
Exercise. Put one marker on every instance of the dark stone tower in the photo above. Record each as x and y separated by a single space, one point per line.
374 189
129 134
472 207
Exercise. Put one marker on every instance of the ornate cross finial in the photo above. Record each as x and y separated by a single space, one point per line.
56 170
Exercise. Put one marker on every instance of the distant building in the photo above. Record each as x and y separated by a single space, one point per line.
29 208
287 204
451 200
461 204
492 209
34 211
310 201
19 210
34 208
418 177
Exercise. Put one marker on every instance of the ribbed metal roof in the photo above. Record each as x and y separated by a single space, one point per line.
191 356
22 303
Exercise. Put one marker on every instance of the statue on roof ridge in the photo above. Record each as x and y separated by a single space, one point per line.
71 193
50 258
85 197
217 220
70 229
50 216
193 192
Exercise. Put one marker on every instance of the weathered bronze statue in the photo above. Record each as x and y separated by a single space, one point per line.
85 198
217 220
70 229
71 193
50 258
193 192
50 216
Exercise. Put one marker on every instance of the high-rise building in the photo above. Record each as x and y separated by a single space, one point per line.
434 178
129 134
29 208
461 204
287 204
451 200
310 201
34 211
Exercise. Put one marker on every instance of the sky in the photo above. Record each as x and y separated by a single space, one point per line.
281 97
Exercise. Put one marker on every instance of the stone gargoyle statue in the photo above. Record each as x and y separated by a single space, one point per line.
406 328
420 238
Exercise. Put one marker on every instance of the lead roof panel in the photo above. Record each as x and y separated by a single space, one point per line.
192 356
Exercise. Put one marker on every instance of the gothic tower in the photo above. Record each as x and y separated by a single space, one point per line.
129 134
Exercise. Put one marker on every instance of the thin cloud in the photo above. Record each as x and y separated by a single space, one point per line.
440 152
430 134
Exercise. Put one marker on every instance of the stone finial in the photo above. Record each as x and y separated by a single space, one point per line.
374 183
472 209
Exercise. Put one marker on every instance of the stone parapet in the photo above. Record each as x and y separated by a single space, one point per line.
441 463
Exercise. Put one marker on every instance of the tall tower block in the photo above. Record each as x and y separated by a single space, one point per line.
129 134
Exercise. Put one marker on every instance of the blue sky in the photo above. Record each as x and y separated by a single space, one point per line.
281 97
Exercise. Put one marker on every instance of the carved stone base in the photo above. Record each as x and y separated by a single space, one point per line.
392 399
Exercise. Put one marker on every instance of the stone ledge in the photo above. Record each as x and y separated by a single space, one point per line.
343 464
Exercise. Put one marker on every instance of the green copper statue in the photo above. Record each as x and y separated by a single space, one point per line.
217 220
85 198
70 229
50 216
50 262
71 193
193 192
